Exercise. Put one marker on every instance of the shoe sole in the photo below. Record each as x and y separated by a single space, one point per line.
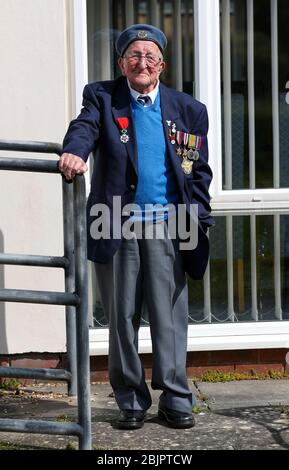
172 424
129 426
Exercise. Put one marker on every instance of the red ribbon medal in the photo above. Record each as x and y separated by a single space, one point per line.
123 125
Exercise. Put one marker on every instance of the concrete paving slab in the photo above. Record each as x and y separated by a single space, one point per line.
244 393
234 415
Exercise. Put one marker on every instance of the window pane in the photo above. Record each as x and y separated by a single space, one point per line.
244 274
106 19
284 235
283 52
248 116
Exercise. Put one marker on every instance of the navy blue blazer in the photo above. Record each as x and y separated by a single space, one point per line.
96 130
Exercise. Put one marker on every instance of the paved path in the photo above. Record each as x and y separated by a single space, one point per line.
234 415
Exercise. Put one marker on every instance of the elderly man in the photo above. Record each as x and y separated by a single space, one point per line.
150 148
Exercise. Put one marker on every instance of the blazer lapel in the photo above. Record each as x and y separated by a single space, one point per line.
121 107
170 113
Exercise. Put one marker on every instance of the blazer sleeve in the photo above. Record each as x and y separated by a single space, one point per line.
83 132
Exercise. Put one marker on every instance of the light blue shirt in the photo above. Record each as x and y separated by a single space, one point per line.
153 94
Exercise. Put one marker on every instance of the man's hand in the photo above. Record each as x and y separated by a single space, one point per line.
71 165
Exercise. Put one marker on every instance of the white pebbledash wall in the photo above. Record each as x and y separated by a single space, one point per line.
34 105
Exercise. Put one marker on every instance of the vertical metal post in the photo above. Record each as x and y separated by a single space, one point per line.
254 307
105 52
177 46
276 153
129 13
251 91
207 295
76 293
153 12
187 53
68 235
81 289
162 15
227 91
228 145
277 268
230 267
252 170
275 88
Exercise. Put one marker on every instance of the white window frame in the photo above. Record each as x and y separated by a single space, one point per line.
202 337
210 337
79 65
208 86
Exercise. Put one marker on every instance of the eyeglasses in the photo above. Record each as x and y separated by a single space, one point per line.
150 59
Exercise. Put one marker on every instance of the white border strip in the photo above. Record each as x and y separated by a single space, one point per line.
80 50
210 337
208 79
80 60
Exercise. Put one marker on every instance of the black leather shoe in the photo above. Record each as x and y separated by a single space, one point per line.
176 419
130 419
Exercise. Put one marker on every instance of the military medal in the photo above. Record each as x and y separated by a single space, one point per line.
173 132
188 147
124 138
194 145
185 141
187 166
190 154
123 125
185 153
179 138
191 144
196 155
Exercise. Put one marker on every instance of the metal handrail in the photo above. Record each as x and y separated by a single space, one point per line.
75 297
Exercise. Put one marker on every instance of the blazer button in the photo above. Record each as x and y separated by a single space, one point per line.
132 186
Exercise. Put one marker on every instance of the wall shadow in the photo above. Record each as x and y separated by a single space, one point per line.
3 335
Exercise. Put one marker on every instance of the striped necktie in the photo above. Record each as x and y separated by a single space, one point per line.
144 100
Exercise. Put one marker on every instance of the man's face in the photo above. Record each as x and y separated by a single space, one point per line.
141 73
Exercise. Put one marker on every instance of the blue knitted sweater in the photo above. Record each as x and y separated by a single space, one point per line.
156 180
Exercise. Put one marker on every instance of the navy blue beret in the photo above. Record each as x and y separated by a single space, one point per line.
140 32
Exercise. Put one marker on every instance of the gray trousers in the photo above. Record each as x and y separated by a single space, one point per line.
150 271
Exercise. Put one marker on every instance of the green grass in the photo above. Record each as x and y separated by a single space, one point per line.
197 410
219 376
65 418
9 446
11 384
71 446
